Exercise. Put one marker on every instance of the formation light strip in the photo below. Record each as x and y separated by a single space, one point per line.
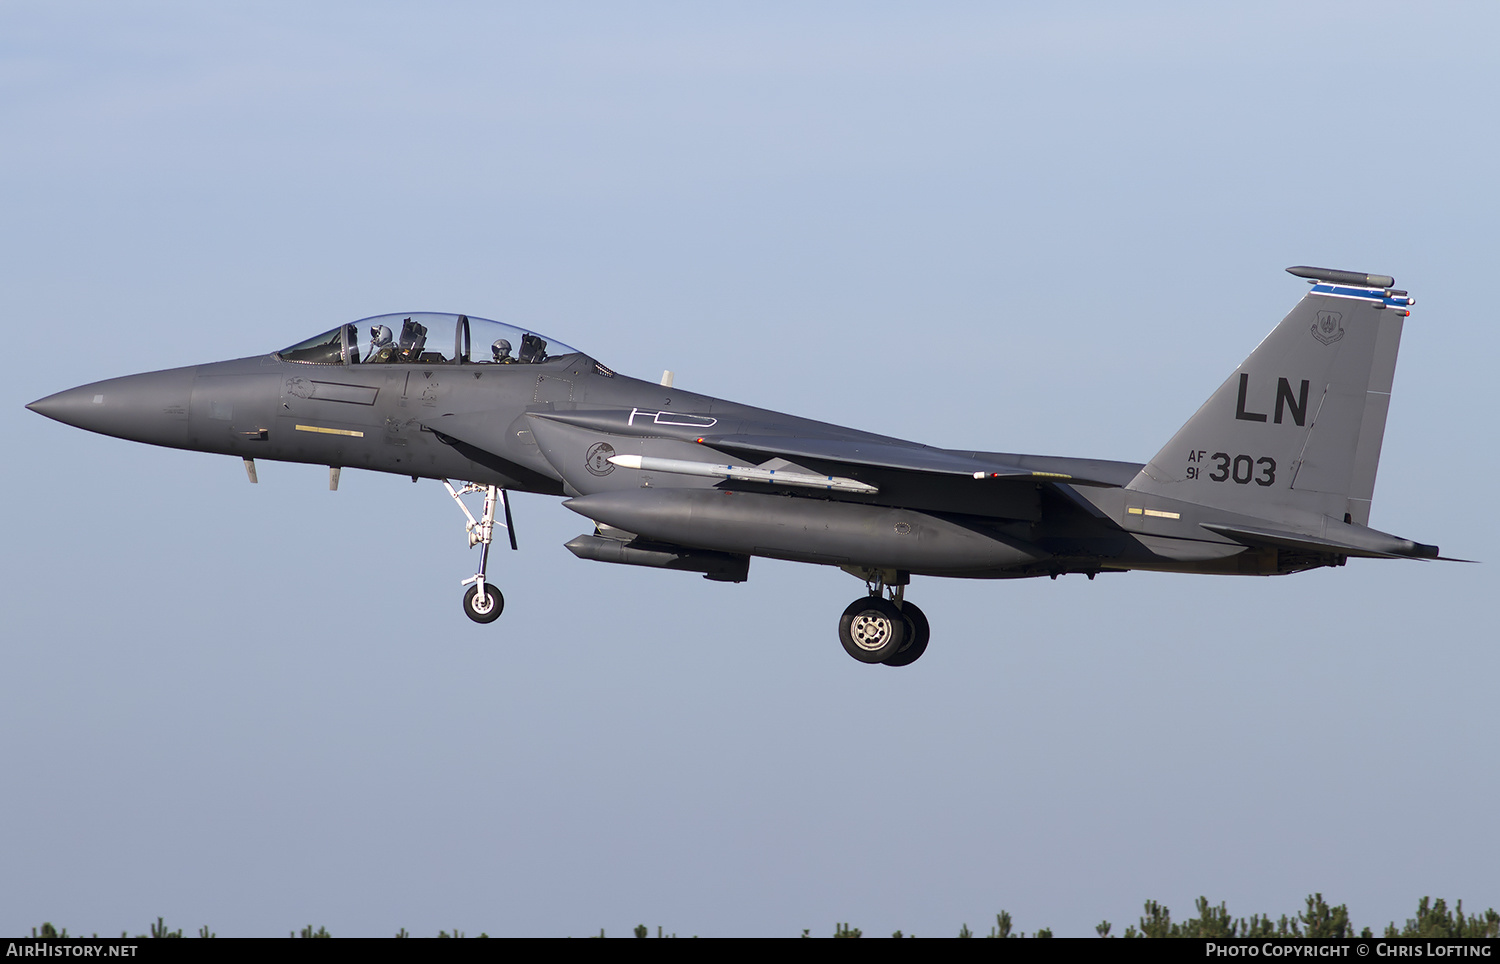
329 431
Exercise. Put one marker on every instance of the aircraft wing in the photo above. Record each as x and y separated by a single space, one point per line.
842 452
883 470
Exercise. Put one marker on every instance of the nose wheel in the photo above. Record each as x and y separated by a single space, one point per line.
483 603
484 608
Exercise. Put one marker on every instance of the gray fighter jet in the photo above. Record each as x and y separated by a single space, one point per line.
1274 474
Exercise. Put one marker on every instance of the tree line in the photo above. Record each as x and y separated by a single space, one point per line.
1318 919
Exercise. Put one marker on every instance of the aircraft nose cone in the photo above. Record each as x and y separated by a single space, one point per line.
66 406
145 408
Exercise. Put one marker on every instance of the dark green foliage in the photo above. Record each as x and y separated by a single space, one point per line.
1210 922
1157 922
1258 926
1435 920
159 929
1004 927
1318 919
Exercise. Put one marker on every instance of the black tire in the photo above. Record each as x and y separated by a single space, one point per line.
921 632
872 629
492 596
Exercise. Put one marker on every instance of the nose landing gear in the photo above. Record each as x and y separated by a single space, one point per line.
877 629
483 603
486 608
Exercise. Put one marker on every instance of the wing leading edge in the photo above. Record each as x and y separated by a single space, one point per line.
835 452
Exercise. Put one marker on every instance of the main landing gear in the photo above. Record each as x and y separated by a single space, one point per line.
882 627
483 603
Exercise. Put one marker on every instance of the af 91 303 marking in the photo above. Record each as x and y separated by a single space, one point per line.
1240 469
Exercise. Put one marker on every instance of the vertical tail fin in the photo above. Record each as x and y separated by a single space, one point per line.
1294 433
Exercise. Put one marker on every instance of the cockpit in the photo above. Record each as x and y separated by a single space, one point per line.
425 338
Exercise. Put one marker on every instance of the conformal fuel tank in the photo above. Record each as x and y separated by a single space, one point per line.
801 529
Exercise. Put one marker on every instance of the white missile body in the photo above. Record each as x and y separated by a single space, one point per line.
742 473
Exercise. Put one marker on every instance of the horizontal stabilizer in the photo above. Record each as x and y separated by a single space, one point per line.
1366 543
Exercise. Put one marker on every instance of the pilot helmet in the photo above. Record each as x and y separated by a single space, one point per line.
501 348
380 336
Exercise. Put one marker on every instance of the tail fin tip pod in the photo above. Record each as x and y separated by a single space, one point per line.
1293 435
1335 276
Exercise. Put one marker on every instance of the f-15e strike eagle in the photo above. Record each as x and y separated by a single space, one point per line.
1274 474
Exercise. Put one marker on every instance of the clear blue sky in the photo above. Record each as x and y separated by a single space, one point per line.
1033 228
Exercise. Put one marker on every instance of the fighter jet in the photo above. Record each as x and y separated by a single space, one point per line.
1274 473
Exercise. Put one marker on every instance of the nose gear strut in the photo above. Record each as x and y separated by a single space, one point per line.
483 603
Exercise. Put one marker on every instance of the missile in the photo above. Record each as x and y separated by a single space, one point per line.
743 473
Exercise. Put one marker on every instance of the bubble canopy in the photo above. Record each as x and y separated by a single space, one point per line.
425 338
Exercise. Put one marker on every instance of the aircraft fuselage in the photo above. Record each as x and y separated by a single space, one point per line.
1274 474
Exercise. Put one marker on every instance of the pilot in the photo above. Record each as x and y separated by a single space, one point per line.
501 348
382 348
